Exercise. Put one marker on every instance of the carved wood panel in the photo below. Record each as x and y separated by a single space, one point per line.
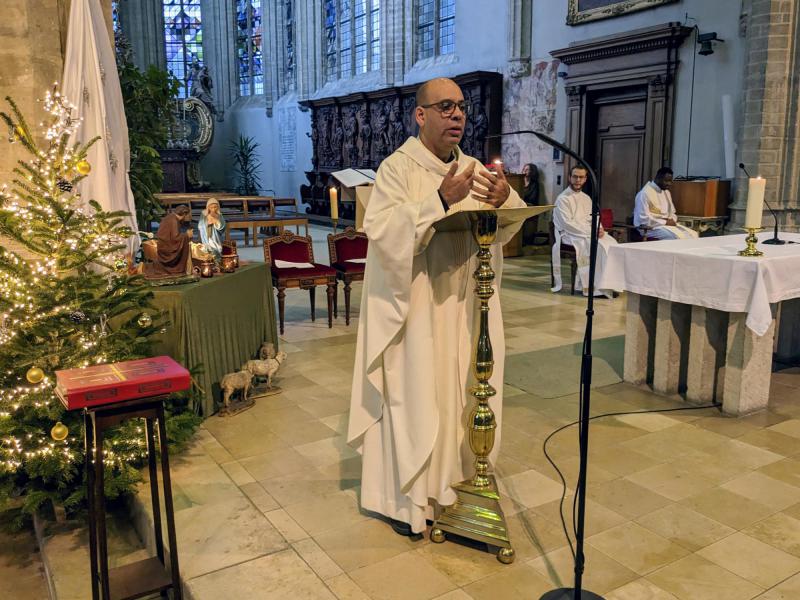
360 130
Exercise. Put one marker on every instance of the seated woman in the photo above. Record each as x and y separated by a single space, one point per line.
212 227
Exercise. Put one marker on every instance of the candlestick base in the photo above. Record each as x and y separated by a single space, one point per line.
751 241
335 224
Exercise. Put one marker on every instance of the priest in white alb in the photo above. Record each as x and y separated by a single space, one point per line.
418 317
654 212
572 224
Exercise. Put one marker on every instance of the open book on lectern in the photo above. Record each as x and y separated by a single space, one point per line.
462 220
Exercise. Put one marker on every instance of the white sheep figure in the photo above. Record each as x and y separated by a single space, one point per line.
240 380
265 368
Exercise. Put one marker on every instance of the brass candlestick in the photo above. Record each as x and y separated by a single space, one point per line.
751 241
335 223
476 513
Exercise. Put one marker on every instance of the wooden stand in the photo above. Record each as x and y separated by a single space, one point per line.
151 575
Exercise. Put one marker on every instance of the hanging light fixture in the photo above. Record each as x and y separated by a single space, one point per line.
706 41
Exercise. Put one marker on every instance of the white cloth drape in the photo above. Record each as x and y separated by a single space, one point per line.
91 83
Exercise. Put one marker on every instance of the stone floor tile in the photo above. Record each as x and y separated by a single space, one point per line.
317 515
455 595
274 577
786 590
602 573
773 440
695 578
766 490
780 531
637 548
274 464
286 525
728 508
317 559
412 577
787 471
641 589
376 542
519 581
597 518
345 588
326 451
674 480
790 427
752 559
530 488
626 498
684 526
238 474
300 486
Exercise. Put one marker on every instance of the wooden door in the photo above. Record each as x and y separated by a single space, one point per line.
619 154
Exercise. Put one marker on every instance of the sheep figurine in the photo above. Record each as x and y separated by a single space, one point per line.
266 351
232 382
265 368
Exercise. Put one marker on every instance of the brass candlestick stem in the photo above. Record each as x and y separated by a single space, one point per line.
751 241
335 223
476 513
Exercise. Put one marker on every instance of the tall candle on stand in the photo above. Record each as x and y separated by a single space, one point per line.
755 202
334 195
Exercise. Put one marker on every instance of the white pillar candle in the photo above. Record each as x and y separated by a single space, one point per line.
755 202
334 195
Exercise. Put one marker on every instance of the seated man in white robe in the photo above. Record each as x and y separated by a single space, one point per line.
418 317
654 212
572 224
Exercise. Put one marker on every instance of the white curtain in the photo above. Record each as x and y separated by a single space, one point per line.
91 83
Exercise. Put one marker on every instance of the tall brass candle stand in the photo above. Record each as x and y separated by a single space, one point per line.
476 513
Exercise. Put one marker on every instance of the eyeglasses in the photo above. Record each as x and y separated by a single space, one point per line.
448 107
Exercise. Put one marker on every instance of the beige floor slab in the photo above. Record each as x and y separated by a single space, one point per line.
790 427
728 508
274 464
773 440
684 526
455 595
345 588
674 480
780 531
300 486
752 559
787 471
321 514
597 517
626 498
411 577
376 542
530 488
787 590
695 578
462 564
602 573
317 559
766 490
520 581
275 577
641 589
637 548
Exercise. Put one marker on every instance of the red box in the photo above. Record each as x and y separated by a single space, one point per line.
99 385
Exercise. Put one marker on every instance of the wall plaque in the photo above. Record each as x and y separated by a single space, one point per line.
582 11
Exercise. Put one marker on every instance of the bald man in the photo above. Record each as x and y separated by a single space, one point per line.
418 317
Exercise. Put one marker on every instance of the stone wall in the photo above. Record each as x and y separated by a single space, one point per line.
770 132
32 42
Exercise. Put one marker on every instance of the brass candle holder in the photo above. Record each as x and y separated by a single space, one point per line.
751 241
476 513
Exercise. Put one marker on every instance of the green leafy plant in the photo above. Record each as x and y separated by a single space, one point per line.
149 98
67 301
247 166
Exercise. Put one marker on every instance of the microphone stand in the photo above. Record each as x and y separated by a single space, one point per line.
576 592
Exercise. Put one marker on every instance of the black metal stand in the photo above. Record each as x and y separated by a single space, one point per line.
577 593
151 575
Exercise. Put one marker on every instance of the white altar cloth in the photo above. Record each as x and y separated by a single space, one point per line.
708 272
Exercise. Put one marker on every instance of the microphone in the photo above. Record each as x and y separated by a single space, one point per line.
775 240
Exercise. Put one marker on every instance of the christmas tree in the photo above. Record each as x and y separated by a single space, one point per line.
67 300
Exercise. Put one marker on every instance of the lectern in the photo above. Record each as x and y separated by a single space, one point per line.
477 514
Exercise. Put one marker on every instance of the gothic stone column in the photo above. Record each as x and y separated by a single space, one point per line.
769 142
519 37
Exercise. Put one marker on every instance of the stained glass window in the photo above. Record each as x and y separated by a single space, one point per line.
183 35
352 37
435 21
288 14
249 58
115 16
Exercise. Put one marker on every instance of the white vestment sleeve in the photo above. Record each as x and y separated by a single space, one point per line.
569 219
670 206
641 213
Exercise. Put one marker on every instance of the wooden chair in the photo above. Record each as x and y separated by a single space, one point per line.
566 252
343 248
298 249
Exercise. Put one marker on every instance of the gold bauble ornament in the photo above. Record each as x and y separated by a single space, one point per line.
120 264
144 320
83 167
34 375
59 432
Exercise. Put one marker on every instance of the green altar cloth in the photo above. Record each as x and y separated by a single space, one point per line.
219 323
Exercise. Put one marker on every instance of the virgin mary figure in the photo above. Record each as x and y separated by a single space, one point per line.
212 227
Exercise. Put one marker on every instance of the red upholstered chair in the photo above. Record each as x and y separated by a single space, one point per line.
298 249
342 248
